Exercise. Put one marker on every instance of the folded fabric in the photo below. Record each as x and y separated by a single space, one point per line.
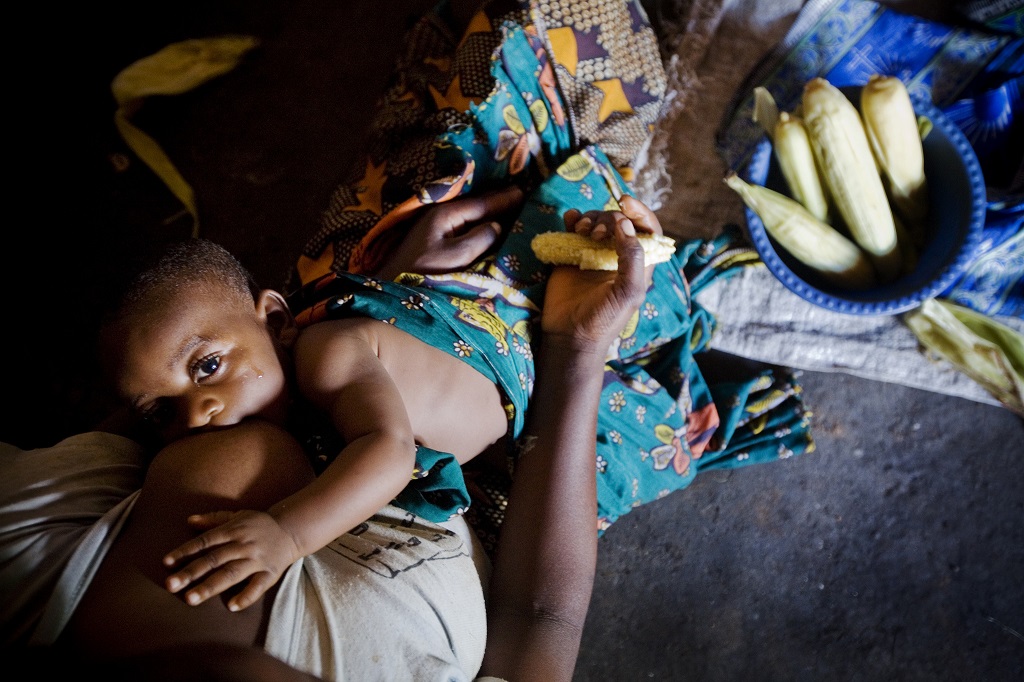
60 508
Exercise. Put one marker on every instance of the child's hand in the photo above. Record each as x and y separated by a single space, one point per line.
239 545
453 234
598 224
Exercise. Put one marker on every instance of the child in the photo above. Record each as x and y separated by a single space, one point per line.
194 346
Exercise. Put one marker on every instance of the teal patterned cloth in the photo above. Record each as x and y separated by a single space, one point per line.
660 421
975 76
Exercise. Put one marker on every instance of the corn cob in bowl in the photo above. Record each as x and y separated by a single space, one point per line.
918 241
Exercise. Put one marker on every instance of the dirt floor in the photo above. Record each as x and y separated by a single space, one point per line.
893 552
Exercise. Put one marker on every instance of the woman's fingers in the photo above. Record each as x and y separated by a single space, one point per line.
643 217
476 241
630 282
599 224
570 218
466 210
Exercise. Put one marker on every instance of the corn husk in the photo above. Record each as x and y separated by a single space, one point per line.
811 241
987 351
173 70
796 160
849 171
895 137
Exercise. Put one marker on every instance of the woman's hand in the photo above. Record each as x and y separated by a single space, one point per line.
451 235
588 308
598 224
547 554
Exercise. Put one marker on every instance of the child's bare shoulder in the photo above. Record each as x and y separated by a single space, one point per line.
334 345
328 337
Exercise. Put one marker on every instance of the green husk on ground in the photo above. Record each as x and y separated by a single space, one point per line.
985 350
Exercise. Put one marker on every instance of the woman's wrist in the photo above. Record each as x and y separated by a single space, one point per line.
569 347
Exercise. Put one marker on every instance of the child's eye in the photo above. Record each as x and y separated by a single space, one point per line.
205 368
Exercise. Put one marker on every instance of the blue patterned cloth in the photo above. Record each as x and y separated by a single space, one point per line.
974 76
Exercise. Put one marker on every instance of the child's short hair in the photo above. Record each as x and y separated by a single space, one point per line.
170 267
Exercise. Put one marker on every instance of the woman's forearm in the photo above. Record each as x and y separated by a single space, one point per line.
544 569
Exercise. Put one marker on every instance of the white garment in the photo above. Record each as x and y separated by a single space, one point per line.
60 508
399 598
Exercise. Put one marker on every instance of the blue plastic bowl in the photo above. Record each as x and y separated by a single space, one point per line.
956 196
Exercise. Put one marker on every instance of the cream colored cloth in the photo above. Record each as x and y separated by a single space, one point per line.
60 509
397 599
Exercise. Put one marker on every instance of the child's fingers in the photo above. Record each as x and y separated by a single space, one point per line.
197 545
221 580
219 566
210 519
256 588
199 568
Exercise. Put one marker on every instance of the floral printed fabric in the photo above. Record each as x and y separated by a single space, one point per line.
660 422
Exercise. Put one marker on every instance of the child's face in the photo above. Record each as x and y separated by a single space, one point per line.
201 359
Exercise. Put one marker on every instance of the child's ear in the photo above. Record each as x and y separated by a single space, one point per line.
271 307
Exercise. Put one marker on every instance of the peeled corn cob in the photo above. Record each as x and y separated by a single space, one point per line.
810 240
796 160
569 248
892 130
848 169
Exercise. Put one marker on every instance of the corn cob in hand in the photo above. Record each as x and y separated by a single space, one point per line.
570 248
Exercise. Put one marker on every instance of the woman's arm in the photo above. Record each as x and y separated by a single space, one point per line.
546 557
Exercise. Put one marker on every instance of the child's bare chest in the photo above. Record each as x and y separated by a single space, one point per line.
453 407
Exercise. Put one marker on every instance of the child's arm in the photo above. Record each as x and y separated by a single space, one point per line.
340 373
